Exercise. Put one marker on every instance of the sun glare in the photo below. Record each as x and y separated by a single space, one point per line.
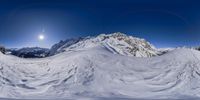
41 37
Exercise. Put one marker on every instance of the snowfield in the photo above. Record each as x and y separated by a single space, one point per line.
97 73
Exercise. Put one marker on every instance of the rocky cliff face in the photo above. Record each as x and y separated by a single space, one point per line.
2 49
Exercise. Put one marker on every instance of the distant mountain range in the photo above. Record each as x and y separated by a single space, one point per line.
117 43
29 52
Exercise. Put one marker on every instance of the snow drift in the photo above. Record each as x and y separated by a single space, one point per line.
95 71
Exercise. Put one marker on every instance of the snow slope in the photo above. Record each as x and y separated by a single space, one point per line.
97 72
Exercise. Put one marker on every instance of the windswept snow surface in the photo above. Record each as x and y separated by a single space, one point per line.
97 72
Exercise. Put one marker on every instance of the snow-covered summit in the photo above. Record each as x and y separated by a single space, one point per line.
117 43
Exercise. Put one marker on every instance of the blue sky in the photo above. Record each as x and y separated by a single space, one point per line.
165 23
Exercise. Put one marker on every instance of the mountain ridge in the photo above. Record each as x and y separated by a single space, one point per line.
117 43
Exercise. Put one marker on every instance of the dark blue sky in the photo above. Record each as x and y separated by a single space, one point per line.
165 23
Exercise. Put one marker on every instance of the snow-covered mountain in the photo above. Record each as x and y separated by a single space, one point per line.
30 52
117 43
58 47
101 68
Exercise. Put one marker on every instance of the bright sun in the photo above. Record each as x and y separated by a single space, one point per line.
41 37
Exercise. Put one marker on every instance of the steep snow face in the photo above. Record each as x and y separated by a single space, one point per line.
58 47
97 72
117 43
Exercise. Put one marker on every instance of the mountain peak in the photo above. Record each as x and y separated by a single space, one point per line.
116 34
118 43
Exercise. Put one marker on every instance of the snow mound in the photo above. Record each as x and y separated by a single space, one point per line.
97 72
